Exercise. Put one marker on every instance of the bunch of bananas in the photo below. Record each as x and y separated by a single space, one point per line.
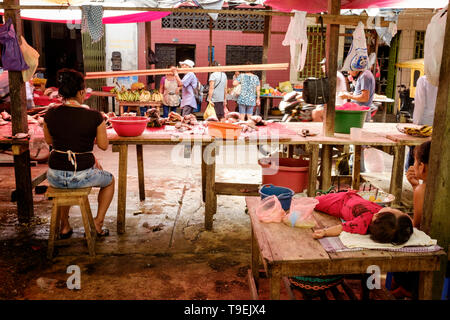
128 95
423 131
156 96
145 96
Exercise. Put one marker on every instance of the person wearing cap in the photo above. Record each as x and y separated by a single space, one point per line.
364 87
188 83
218 91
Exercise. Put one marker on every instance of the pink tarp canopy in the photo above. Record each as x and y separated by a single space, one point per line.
314 6
73 16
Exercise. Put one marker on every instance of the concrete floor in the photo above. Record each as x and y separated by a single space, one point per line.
165 252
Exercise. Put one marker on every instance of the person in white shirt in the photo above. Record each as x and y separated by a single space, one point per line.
424 106
4 91
218 92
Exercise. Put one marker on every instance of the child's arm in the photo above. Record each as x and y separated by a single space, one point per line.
418 198
328 232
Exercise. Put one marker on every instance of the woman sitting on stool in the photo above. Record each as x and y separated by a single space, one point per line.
71 129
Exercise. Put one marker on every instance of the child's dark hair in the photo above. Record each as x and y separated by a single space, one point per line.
387 228
422 152
69 82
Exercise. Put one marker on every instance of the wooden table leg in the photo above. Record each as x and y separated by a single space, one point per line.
210 193
313 165
140 167
383 119
326 166
266 108
356 174
255 258
122 192
397 173
426 285
203 173
275 283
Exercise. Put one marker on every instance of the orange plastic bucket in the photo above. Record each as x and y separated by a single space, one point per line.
285 172
224 130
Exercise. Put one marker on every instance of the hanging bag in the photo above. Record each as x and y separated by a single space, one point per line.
12 58
31 57
316 91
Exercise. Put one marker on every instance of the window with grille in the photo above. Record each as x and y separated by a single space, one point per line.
315 54
419 44
236 55
234 22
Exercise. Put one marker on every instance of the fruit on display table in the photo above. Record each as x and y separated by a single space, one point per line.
137 93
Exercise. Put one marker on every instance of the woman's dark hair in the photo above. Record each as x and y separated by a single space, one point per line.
422 152
69 82
387 228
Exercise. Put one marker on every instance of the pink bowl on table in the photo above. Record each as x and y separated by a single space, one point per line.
129 126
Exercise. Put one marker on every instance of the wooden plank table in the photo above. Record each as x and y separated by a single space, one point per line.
210 189
287 251
137 105
385 100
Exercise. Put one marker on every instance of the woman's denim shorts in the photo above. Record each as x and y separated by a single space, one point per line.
244 109
91 177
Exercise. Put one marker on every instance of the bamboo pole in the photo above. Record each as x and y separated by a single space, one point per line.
242 68
22 171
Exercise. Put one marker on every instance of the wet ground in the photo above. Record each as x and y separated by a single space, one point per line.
165 253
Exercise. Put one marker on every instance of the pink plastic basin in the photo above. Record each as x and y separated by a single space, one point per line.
129 126
285 172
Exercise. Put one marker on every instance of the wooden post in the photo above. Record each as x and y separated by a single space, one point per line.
122 186
435 220
20 124
142 50
36 28
334 7
266 44
210 41
148 46
140 167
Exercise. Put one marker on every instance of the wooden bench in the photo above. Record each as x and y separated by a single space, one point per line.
70 197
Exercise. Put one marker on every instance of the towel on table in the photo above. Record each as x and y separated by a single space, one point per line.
418 238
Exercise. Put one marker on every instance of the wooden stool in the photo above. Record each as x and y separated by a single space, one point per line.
71 197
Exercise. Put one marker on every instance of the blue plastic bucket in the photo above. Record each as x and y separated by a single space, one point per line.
283 194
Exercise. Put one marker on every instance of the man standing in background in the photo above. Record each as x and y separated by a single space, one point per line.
218 92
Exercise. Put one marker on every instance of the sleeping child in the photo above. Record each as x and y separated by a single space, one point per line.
385 225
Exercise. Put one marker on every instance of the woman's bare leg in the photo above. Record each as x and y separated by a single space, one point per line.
65 226
104 200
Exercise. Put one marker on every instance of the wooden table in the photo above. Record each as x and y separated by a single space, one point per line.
385 100
287 251
137 104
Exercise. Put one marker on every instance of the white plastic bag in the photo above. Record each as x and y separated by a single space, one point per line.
357 58
31 57
301 213
270 210
297 38
434 44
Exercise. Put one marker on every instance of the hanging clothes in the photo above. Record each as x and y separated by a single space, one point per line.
12 57
297 38
91 20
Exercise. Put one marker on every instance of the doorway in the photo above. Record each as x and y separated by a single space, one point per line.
172 54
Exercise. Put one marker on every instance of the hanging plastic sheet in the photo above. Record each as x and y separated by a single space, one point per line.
357 58
297 38
12 58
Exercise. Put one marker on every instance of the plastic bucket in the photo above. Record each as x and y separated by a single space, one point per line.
285 172
346 119
283 194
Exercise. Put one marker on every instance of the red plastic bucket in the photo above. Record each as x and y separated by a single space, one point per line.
285 172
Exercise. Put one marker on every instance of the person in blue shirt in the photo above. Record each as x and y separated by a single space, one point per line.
250 90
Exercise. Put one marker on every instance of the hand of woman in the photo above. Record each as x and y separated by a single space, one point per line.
319 234
411 176
258 101
97 165
174 70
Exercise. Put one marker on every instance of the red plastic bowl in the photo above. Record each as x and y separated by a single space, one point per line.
129 126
